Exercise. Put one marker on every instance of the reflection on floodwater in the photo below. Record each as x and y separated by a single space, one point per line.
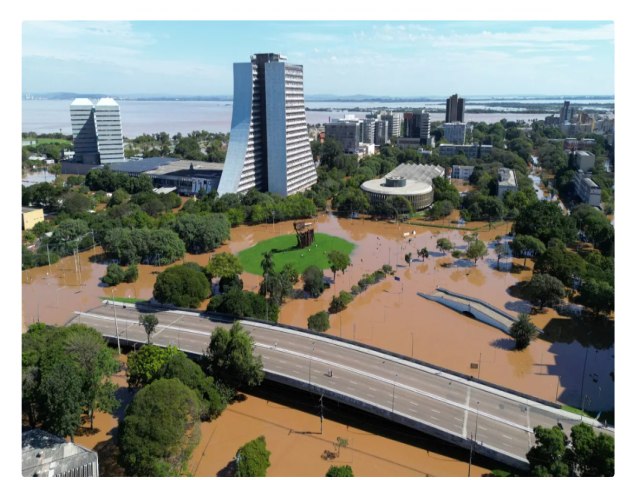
572 362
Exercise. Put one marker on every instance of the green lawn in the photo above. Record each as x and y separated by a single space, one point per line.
286 252
125 299
60 141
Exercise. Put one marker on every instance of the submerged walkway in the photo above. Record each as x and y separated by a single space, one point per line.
479 309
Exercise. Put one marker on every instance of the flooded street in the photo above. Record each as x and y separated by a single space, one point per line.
562 365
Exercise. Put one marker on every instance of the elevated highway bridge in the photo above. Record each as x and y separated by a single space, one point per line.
456 408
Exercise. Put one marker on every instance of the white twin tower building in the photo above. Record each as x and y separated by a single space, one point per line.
269 143
97 131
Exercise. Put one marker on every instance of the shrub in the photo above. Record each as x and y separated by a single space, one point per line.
319 322
114 276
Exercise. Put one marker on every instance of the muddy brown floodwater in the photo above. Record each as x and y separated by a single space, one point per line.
566 365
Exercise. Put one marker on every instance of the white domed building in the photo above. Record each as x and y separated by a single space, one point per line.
413 182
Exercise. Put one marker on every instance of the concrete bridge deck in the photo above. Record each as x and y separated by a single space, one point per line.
454 408
479 309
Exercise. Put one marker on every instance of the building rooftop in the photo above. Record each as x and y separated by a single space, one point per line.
29 209
166 166
420 173
85 102
106 102
506 177
46 455
582 153
590 183
412 187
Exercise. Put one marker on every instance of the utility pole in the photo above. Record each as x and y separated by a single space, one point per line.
321 412
115 318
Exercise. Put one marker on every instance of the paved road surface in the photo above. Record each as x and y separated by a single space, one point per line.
499 421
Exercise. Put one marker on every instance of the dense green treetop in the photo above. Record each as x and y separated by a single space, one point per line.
223 265
252 459
230 357
182 286
545 220
160 430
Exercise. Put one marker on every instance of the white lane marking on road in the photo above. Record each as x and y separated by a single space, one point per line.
457 418
352 382
435 411
372 389
481 427
434 418
413 410
507 436
413 403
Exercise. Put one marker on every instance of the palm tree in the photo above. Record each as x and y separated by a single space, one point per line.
267 263
407 258
423 252
523 331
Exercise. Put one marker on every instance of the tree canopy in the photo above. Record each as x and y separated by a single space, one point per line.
230 357
65 372
160 430
182 285
252 459
202 233
588 454
523 331
223 265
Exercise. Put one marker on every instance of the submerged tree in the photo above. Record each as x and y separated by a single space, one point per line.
523 331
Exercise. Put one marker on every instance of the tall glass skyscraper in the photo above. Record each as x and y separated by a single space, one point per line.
269 143
97 131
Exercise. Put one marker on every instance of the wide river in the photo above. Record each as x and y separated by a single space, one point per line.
138 117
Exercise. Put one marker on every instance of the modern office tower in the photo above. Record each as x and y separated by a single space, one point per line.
109 131
83 128
347 130
395 123
269 144
417 124
454 132
455 109
381 135
97 131
566 112
368 130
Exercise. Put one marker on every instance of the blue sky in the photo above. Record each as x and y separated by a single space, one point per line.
340 57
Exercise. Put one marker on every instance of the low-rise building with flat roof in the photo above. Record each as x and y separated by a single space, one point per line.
506 181
46 455
463 172
31 216
585 161
469 151
586 189
188 177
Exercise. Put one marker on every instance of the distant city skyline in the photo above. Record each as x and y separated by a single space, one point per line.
377 58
